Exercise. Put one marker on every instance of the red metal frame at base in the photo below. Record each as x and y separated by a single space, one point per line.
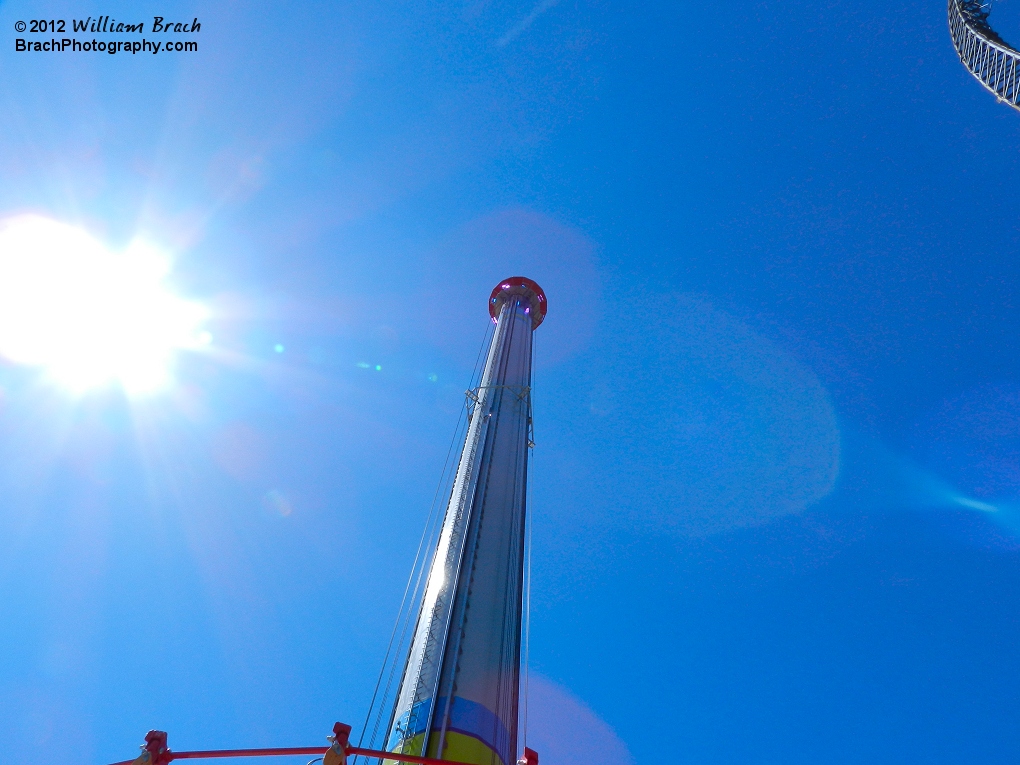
160 754
294 750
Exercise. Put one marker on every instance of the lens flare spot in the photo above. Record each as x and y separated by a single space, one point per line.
278 504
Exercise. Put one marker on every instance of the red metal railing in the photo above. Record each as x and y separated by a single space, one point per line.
295 750
160 754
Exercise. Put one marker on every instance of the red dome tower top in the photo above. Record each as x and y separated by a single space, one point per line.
527 289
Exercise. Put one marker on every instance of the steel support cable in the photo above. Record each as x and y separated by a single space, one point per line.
445 489
469 538
419 567
493 402
509 656
509 683
428 534
402 614
481 363
510 633
988 57
513 608
529 525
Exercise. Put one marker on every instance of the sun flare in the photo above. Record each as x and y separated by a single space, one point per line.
86 315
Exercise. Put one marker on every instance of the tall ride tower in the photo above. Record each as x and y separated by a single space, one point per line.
458 698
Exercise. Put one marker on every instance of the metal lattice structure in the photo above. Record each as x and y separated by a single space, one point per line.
992 61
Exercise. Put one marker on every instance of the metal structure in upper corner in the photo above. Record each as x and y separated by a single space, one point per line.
992 61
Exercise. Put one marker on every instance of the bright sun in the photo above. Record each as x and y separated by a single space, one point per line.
87 315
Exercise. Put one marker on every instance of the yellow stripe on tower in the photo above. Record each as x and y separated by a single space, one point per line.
463 748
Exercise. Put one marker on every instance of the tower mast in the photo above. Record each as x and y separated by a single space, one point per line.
459 694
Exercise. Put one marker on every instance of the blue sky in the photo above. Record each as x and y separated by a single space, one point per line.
776 394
